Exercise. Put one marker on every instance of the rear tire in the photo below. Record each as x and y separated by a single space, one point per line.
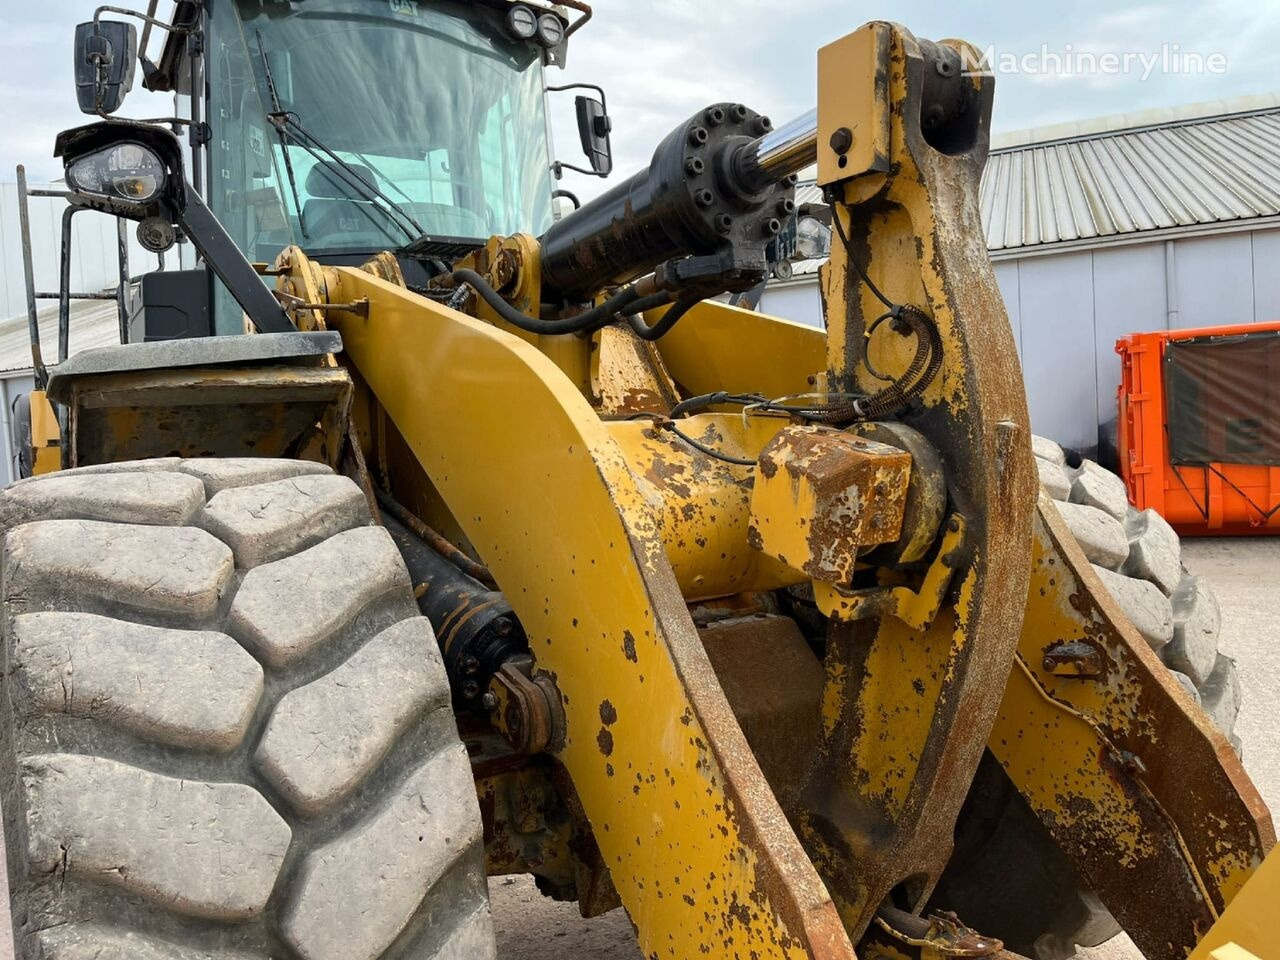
1138 557
227 731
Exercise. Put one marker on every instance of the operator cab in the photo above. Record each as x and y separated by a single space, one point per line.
346 127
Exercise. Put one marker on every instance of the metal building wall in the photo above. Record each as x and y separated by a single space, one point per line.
93 256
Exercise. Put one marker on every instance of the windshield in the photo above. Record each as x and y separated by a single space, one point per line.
428 104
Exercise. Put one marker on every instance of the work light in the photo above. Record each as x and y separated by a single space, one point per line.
550 30
522 22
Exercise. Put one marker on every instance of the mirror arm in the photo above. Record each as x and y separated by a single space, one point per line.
559 167
149 20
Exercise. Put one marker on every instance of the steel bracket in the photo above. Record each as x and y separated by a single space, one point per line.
917 608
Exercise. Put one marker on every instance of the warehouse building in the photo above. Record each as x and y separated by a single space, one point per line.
1163 220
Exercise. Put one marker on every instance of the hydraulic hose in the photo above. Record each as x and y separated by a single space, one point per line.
627 303
584 322
669 319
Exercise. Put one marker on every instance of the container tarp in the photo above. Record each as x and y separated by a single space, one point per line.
1223 399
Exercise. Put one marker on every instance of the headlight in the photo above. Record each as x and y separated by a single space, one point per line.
123 171
813 239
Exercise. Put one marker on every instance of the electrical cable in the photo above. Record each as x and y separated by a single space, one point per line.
704 400
703 448
907 319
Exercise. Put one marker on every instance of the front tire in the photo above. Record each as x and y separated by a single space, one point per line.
227 730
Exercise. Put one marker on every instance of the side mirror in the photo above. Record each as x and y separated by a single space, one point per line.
106 56
594 127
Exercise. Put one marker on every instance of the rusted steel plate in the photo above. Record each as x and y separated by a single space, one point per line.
1128 774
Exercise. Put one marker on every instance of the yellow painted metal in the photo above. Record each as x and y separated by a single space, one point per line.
705 352
703 505
1233 951
907 709
917 607
1126 771
628 376
853 97
822 496
698 848
46 434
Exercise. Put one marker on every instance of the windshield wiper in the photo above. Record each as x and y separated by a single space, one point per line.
289 127
286 122
284 142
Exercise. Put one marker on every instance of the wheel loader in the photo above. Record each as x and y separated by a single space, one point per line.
413 534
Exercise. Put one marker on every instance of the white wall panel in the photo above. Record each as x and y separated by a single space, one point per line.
1266 276
1128 297
1055 302
1215 280
93 254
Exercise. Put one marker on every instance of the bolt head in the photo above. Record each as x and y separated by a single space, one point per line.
489 700
842 140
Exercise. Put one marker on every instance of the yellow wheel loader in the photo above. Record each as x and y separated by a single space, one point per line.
413 535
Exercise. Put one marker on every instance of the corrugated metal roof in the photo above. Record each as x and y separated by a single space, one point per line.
93 324
1176 175
1113 184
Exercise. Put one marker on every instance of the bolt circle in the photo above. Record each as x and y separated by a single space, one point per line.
694 166
704 198
772 227
786 206
724 222
698 136
715 116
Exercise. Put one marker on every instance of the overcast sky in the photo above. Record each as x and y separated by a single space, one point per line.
661 60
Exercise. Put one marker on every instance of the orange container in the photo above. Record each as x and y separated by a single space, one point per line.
1209 499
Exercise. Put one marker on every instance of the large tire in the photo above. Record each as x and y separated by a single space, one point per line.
1050 911
227 732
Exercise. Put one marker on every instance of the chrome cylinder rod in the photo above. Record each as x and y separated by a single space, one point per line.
789 148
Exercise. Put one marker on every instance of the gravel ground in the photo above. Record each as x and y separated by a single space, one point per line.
1246 575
